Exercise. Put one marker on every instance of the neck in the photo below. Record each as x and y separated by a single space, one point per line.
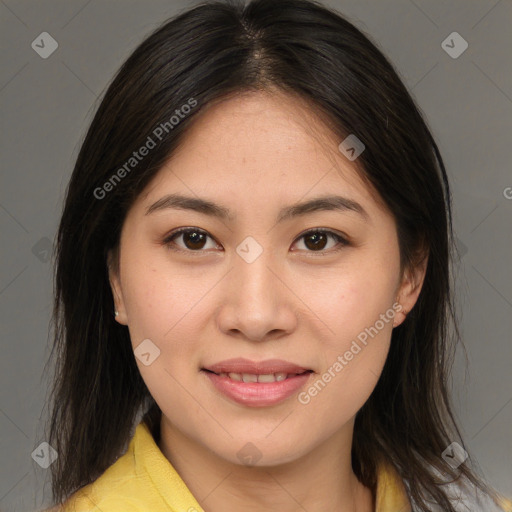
318 481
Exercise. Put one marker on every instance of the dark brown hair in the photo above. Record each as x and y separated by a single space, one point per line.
206 54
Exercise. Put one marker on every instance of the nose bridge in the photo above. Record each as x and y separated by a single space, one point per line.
252 274
257 302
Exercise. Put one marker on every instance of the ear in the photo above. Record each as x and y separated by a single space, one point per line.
115 285
410 287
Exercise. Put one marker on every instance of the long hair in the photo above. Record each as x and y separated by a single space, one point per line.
206 54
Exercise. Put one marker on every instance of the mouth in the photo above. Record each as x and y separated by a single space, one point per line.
257 384
258 377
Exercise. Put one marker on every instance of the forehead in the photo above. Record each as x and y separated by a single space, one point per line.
257 125
259 148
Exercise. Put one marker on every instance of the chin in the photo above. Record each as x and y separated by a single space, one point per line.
260 450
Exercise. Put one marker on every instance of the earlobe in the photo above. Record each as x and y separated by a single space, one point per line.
409 290
402 313
115 286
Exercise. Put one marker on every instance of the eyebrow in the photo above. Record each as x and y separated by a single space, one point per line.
206 207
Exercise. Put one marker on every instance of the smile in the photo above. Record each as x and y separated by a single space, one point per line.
252 377
256 384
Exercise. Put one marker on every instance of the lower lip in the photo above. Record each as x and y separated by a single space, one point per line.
258 394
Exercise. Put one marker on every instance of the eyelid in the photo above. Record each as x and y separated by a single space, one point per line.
327 231
167 241
341 238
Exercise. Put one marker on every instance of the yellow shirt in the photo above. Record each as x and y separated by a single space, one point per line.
143 479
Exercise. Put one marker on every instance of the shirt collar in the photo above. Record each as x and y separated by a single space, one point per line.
151 462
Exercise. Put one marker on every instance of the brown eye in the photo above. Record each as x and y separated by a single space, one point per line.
316 241
193 240
196 240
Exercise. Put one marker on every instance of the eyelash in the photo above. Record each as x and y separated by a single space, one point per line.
168 241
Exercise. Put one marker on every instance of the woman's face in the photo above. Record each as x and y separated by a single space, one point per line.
250 281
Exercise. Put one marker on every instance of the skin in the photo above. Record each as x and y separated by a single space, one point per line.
255 153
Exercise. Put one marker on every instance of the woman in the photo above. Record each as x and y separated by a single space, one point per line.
252 280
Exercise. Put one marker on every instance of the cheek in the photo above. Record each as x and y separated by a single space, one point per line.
357 308
160 305
353 357
351 299
163 307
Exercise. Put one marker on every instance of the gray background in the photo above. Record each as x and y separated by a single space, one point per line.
47 104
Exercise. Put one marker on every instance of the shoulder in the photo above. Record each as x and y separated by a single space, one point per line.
466 497
118 486
127 484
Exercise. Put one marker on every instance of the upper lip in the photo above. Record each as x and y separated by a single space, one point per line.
241 365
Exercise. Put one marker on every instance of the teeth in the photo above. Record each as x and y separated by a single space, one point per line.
250 377
266 378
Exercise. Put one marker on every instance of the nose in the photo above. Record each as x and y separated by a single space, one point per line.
256 302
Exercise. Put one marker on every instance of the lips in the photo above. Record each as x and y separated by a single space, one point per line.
252 377
257 384
267 367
